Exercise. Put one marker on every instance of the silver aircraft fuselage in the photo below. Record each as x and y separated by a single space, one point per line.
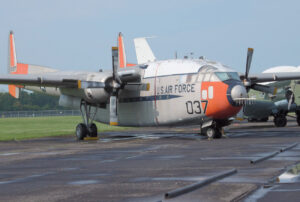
181 92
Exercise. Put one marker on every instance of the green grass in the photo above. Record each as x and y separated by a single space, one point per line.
28 128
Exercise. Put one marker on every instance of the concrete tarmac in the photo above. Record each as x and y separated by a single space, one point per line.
144 164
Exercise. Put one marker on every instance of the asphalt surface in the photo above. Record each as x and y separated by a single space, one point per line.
143 165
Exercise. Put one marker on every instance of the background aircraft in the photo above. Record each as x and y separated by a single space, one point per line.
278 104
154 93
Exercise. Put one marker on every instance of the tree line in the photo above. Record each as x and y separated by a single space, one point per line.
28 101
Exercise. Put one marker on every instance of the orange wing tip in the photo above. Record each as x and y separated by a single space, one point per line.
113 123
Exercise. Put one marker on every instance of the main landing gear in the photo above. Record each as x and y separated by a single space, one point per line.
88 128
280 120
298 117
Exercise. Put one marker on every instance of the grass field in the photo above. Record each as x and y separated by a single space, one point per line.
27 128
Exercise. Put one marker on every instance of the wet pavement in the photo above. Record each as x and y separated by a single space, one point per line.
144 164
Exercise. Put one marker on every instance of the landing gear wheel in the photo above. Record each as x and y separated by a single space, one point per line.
81 131
298 120
280 121
93 130
214 133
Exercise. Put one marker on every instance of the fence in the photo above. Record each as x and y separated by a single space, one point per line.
17 114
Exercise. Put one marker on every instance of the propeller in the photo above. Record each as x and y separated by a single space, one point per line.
116 84
290 98
247 82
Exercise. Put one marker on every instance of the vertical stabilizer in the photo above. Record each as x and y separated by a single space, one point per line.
12 64
12 57
143 51
121 54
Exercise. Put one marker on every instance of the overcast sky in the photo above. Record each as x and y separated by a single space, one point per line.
78 35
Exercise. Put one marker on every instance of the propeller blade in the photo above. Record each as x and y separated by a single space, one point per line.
248 63
113 119
290 101
115 65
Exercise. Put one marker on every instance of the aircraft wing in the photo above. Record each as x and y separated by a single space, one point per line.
264 77
36 80
71 79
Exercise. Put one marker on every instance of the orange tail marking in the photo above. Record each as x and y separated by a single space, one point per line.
13 89
12 51
122 56
130 65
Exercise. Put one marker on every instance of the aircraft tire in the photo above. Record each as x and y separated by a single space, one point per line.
81 131
210 132
280 121
213 132
298 120
93 130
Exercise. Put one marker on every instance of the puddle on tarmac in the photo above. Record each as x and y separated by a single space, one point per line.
170 157
84 182
8 154
145 179
290 176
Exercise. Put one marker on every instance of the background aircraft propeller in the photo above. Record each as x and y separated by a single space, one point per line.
290 98
247 82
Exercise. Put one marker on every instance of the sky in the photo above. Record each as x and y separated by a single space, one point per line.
78 35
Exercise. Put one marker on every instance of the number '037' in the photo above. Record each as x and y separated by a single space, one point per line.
194 107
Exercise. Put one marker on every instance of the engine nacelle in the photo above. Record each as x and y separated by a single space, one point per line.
92 95
96 95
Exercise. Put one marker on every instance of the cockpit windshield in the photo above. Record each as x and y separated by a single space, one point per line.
223 76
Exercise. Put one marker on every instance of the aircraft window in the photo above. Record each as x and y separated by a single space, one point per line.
214 78
223 76
204 94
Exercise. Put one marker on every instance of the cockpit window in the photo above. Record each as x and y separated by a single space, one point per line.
223 76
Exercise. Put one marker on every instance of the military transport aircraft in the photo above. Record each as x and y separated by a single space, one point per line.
155 93
285 99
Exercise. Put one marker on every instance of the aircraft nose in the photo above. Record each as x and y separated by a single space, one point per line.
239 94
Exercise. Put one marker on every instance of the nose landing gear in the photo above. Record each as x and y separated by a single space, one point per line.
214 132
214 129
88 128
